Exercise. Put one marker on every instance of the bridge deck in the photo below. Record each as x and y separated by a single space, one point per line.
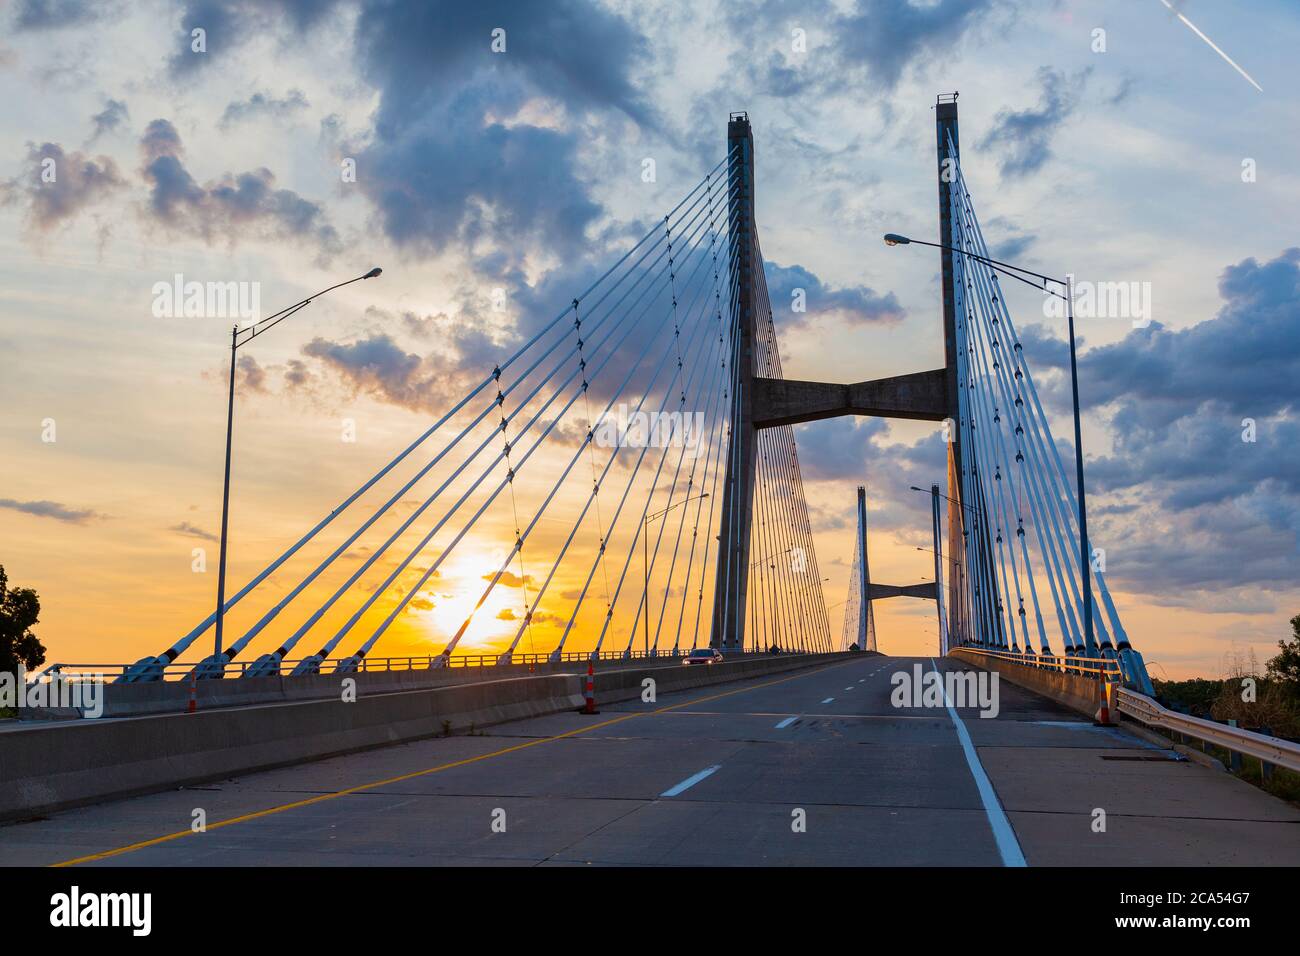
879 786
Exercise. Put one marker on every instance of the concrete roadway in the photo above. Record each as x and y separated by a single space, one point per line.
713 776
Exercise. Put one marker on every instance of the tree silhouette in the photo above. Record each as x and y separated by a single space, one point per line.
1285 668
19 610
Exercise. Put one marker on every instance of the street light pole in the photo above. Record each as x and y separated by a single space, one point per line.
225 499
1085 556
251 332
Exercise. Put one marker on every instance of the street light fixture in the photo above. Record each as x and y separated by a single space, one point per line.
945 497
774 554
239 338
1085 555
645 558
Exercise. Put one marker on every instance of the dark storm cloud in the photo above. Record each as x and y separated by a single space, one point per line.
1024 137
1214 510
447 162
229 207
574 51
447 159
79 181
887 36
1246 359
447 178
860 305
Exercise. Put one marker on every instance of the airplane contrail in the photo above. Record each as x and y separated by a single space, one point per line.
1192 26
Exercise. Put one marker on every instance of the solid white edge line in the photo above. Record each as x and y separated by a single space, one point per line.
690 781
1003 834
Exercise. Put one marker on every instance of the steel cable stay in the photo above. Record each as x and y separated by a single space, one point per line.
773 441
152 668
1056 538
641 529
971 534
1051 497
618 588
269 663
1017 495
612 457
599 560
606 335
1069 599
1058 477
1068 500
451 646
720 433
672 489
990 412
1047 538
712 418
635 319
370 642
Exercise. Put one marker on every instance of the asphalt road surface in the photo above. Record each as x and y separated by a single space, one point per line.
810 768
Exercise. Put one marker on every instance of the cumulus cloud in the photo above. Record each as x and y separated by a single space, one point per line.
230 23
57 14
56 185
229 207
1007 241
1024 137
262 104
511 580
110 118
452 157
856 305
1202 508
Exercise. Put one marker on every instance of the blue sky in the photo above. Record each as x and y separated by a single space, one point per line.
522 171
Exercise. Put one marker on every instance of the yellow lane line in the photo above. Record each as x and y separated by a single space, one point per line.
421 773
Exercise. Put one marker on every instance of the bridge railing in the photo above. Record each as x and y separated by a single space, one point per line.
177 671
1099 668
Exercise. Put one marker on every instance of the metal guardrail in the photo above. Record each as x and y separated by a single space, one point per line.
1268 750
1099 668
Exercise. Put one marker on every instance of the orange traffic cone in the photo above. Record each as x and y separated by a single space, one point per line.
1103 716
590 706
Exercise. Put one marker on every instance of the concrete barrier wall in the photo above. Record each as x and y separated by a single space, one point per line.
47 766
1083 694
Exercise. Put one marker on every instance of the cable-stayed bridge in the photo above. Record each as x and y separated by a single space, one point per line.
628 478
622 489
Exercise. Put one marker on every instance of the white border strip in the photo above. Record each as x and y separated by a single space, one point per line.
1003 834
